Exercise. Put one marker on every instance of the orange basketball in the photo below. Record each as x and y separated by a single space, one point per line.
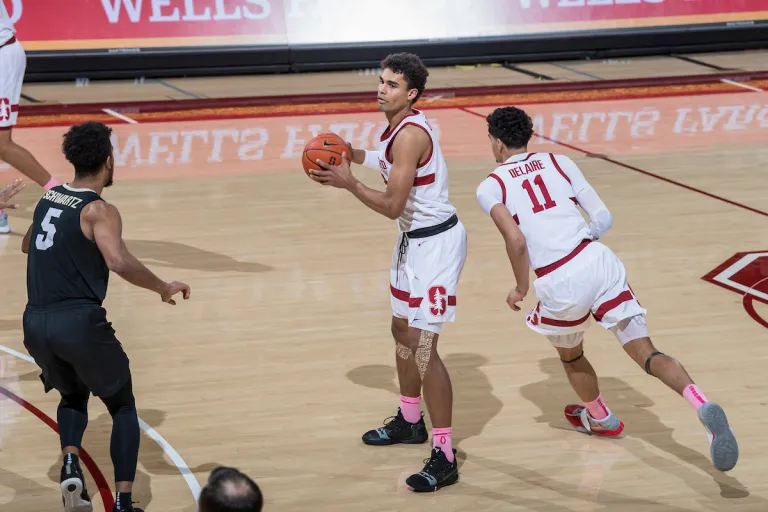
326 147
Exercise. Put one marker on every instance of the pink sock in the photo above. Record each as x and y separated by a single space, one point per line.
441 438
597 408
51 183
411 408
694 396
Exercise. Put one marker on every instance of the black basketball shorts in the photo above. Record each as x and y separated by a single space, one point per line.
76 349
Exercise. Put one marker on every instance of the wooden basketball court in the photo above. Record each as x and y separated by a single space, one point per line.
282 358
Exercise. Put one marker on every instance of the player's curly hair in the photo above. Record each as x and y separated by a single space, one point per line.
411 67
511 125
87 147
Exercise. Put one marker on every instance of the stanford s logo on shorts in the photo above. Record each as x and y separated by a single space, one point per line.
745 273
438 300
5 109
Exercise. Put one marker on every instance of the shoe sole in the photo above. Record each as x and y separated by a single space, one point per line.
452 479
724 449
71 489
389 442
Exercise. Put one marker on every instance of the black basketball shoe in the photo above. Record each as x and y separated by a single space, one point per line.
132 509
396 431
437 473
74 495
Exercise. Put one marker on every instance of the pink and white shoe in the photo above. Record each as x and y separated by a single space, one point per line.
579 417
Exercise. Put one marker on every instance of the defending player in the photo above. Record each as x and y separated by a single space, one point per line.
13 62
532 198
426 263
74 241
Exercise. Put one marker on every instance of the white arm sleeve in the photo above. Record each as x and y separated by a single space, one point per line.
599 216
371 159
489 194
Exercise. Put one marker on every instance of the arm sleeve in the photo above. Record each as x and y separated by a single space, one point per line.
599 216
371 159
490 193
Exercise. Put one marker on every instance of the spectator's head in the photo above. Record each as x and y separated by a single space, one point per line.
229 490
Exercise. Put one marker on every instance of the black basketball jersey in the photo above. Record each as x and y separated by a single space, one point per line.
64 267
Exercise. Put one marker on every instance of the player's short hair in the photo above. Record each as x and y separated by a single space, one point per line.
411 67
511 125
87 147
229 490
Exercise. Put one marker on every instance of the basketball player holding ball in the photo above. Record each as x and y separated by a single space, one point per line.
426 263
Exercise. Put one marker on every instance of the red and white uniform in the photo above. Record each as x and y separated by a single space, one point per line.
577 276
13 62
425 277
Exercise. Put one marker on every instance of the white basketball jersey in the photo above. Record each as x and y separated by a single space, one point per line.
7 30
542 200
427 203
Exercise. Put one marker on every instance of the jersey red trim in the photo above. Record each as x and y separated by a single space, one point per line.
386 133
557 166
10 41
542 271
529 155
431 146
503 189
420 181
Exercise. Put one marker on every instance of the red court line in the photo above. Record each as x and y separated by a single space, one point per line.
360 110
641 171
101 482
254 101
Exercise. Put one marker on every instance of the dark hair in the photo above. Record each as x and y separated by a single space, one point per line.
411 67
229 490
511 125
87 147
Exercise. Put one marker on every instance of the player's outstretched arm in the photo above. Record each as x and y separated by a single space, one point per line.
8 192
517 251
103 223
409 146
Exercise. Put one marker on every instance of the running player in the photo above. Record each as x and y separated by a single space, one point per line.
532 198
426 263
74 241
13 62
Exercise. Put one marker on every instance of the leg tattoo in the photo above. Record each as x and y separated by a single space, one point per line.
424 351
403 352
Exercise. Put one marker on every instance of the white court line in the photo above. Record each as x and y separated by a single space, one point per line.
739 84
120 116
192 482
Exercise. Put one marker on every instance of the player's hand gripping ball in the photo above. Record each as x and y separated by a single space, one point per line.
326 147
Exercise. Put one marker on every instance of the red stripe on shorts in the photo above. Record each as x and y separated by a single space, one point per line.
563 323
414 302
557 166
606 306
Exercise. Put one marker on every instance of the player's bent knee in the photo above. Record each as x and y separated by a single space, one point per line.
572 340
77 402
630 329
123 400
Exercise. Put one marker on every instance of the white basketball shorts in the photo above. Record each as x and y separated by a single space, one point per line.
423 281
13 63
593 283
